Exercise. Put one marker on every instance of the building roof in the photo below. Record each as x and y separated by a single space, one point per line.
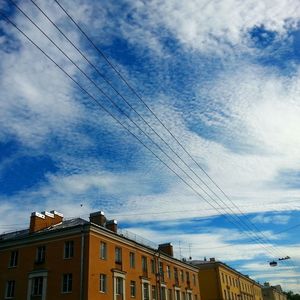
209 263
25 232
19 235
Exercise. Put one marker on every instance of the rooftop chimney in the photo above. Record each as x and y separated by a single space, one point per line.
166 248
212 259
112 225
98 218
39 221
49 218
58 217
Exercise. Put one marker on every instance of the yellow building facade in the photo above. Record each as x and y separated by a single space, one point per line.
220 282
273 292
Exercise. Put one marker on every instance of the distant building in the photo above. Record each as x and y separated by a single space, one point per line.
218 281
89 260
273 292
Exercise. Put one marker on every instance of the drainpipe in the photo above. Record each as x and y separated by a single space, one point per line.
157 273
81 263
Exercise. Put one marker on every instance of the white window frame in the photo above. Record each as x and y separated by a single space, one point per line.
146 283
13 262
103 283
67 280
40 254
177 293
69 249
132 289
10 289
31 277
144 264
118 255
132 260
103 250
163 292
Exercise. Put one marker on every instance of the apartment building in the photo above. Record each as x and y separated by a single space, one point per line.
273 292
219 281
89 260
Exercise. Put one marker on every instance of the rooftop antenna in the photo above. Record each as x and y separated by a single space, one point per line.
190 254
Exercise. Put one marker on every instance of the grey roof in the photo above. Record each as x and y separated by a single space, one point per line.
25 232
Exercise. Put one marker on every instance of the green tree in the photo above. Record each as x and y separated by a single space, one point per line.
291 296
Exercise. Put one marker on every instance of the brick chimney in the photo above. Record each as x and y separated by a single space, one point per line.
49 218
98 218
166 248
112 225
58 217
39 221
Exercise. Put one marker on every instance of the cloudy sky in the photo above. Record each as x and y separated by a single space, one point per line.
200 146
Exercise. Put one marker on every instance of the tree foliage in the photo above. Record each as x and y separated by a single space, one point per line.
292 296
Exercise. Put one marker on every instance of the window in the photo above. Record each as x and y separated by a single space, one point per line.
152 266
169 271
187 277
163 293
177 293
183 295
69 249
176 275
37 286
144 263
118 255
225 295
222 277
103 283
189 296
170 295
67 283
132 289
154 293
194 280
10 289
182 275
132 259
146 291
13 258
40 255
103 250
119 285
161 270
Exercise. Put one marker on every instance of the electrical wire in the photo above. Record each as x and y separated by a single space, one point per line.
249 224
235 219
176 173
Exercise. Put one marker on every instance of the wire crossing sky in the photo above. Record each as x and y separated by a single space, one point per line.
210 153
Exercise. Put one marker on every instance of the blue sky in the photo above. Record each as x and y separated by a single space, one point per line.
223 77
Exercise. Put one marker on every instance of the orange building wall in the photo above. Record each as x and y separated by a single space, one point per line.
97 266
56 266
54 263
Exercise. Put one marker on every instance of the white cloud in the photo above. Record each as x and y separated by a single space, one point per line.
275 219
209 26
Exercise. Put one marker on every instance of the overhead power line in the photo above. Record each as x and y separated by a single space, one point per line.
134 135
235 219
248 224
